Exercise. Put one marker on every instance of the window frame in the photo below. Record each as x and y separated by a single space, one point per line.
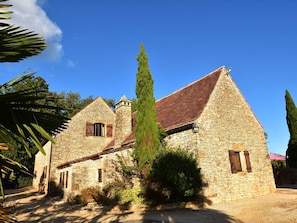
99 128
236 161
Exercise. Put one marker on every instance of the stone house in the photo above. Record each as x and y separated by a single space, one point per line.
209 117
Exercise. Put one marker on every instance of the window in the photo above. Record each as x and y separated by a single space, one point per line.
236 162
100 175
45 171
64 179
98 129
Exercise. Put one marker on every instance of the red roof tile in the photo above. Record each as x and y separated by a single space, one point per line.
175 110
186 104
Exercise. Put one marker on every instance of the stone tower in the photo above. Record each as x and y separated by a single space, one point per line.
123 124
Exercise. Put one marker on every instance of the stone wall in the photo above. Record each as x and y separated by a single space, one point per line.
228 123
84 174
72 143
41 168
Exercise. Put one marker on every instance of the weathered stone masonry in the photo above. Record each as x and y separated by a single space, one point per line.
225 123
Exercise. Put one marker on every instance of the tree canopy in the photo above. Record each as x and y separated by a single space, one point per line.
23 120
147 140
292 126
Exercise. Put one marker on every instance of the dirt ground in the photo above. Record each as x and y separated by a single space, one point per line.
279 207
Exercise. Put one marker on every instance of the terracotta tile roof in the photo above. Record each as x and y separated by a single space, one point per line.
174 111
186 104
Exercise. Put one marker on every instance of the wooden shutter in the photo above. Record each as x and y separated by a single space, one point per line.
248 162
89 129
109 130
232 158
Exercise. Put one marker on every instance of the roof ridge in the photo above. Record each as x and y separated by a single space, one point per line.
201 78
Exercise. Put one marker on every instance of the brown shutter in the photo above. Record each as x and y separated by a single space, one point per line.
109 130
232 158
89 129
248 162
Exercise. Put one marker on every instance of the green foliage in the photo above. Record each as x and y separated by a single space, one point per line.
112 194
131 195
110 102
175 177
21 111
278 164
147 140
17 43
292 125
134 105
109 195
25 181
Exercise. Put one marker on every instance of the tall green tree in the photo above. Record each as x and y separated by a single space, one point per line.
292 125
147 140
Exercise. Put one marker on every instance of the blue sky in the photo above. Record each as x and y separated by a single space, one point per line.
92 48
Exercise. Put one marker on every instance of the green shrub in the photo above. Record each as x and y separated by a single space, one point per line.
277 164
131 195
111 193
175 177
25 181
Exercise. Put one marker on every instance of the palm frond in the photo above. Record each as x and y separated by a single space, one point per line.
18 43
24 118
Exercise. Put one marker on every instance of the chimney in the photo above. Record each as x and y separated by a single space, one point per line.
123 124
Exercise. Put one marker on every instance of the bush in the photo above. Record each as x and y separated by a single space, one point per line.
111 193
91 194
175 177
25 181
277 164
131 196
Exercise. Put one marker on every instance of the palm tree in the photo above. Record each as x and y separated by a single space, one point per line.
23 121
17 43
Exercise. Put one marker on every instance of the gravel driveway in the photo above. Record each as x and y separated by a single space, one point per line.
277 207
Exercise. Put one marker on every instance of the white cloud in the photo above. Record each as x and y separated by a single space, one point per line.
70 63
28 14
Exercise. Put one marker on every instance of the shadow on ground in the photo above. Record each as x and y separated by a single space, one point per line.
38 208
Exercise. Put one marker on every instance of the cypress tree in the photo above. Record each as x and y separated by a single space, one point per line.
147 140
292 125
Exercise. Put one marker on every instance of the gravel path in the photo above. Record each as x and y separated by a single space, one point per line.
279 207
